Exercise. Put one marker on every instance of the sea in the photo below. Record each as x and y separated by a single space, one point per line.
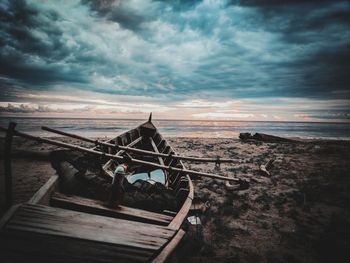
182 128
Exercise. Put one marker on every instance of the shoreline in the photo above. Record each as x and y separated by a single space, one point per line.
195 120
184 129
300 213
296 139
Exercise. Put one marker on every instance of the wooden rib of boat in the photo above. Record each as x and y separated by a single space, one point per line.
59 227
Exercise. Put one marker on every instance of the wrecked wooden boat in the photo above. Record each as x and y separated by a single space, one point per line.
69 228
61 225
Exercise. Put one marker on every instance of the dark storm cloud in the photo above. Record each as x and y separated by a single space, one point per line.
274 3
120 12
177 49
320 30
131 16
30 46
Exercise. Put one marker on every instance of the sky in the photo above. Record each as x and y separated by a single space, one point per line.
282 60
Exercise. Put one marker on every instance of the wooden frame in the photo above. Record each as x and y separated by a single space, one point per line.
43 195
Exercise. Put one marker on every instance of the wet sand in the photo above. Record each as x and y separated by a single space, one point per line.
301 213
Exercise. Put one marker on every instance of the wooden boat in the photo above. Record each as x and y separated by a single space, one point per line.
58 227
147 137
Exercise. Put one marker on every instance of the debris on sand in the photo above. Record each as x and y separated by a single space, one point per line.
265 167
262 137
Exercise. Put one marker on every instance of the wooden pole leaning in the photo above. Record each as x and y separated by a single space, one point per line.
145 152
121 158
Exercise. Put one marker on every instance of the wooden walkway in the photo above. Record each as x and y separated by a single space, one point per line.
31 232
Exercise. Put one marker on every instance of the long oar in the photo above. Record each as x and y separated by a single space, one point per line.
144 152
116 157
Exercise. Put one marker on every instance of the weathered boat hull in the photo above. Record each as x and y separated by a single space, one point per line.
65 228
147 135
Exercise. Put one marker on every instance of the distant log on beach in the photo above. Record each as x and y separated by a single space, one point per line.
263 137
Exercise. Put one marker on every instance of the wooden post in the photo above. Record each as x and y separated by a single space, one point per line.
7 165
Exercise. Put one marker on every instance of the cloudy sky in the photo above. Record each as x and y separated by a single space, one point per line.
199 59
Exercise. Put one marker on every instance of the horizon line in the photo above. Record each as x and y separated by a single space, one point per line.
145 119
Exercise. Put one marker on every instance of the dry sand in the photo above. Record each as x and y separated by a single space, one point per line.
301 213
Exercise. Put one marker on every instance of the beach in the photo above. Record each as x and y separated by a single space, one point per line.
300 213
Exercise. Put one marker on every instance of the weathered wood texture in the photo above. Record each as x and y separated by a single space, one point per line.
42 196
116 157
170 247
160 160
182 214
91 206
106 167
36 232
135 150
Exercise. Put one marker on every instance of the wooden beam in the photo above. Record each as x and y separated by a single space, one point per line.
7 165
42 196
182 214
107 164
8 215
134 142
169 248
75 136
160 159
115 157
96 207
145 152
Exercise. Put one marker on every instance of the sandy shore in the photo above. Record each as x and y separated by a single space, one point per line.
301 213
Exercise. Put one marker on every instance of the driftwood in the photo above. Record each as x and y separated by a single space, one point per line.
263 137
140 151
199 207
120 158
243 184
265 167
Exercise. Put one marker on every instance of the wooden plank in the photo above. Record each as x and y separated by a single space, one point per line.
42 196
119 153
131 144
96 207
181 215
160 159
54 221
169 248
8 215
155 149
24 246
81 218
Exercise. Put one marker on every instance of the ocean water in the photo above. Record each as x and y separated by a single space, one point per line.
172 128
